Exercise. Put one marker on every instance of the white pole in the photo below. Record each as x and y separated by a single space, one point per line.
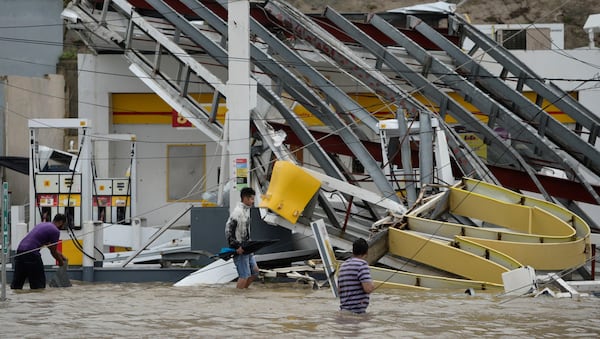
86 175
241 96
98 242
18 231
133 180
5 239
33 157
88 248
3 275
224 174
136 233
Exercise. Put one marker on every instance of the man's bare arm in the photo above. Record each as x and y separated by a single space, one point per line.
57 255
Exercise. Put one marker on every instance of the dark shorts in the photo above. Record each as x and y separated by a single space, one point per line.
28 266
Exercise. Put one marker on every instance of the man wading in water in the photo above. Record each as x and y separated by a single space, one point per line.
28 261
237 231
354 282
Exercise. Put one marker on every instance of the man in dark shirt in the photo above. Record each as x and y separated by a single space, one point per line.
354 280
28 261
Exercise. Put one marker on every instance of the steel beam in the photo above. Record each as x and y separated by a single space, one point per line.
203 73
305 28
332 92
512 123
547 126
446 104
549 91
451 78
289 81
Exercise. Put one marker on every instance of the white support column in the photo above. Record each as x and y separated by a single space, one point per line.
241 96
442 156
406 158
18 231
136 233
88 248
33 148
133 181
98 242
85 142
425 147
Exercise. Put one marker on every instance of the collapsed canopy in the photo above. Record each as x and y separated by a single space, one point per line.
19 164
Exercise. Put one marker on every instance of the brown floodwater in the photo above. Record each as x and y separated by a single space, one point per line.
157 310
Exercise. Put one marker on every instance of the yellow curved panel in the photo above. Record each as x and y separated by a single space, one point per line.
490 190
501 193
290 190
531 232
516 217
391 285
498 257
545 223
444 257
450 230
541 256
386 276
474 205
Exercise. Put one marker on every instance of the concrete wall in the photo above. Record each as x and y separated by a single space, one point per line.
568 69
557 33
32 33
28 98
99 77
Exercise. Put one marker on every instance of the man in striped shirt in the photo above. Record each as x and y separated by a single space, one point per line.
354 280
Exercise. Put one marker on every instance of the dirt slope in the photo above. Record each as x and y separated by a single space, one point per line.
572 13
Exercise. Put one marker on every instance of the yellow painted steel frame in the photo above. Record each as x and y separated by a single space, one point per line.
394 279
387 278
581 227
391 285
558 256
444 257
545 219
526 231
519 218
450 230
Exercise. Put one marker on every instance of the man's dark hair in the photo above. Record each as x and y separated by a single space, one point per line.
360 246
247 192
59 217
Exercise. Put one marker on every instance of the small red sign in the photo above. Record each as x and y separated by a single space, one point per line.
101 200
47 200
177 120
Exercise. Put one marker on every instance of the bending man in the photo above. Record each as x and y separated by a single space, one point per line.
28 261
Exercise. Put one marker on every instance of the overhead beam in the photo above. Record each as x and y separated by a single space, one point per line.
549 91
289 82
513 124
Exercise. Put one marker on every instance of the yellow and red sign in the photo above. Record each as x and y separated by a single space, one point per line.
179 120
149 108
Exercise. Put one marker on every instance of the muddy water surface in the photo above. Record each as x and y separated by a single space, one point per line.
153 310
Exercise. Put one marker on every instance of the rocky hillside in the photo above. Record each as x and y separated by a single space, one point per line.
572 13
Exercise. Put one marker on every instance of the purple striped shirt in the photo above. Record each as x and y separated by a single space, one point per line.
353 273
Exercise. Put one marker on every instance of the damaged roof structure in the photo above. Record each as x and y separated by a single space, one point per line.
331 80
